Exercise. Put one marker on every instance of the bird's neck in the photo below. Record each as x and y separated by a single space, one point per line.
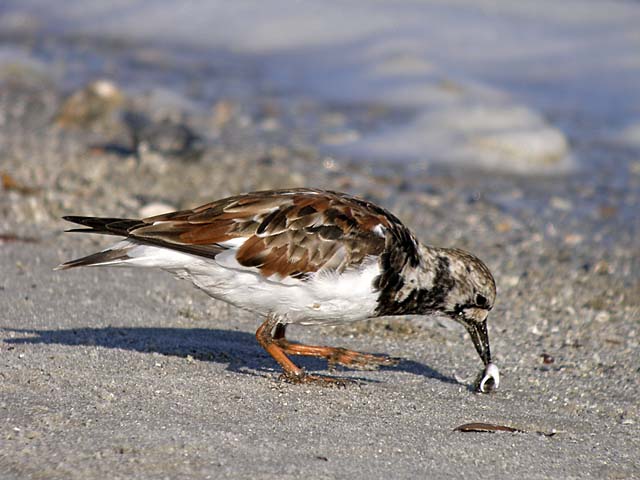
407 289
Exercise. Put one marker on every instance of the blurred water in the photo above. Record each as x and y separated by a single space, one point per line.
513 86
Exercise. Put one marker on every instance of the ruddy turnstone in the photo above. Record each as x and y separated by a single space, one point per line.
308 257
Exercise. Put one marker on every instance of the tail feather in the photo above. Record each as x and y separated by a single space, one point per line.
108 226
105 226
119 253
100 258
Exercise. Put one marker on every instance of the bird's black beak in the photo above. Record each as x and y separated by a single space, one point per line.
480 338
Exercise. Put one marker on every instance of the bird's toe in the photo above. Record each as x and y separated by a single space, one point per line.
360 361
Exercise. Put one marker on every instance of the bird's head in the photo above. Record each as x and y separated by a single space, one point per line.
470 297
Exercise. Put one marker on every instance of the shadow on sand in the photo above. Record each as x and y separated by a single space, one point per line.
238 350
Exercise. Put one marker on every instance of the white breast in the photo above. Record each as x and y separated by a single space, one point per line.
325 298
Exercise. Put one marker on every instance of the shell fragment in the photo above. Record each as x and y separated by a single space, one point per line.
490 379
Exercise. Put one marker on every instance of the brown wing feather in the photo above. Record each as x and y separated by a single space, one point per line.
288 232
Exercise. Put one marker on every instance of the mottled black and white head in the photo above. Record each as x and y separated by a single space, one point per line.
470 296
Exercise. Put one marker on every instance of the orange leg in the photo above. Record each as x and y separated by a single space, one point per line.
334 355
292 372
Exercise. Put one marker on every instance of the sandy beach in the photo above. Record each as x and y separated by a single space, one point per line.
124 373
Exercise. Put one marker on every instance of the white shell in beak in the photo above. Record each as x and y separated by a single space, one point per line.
491 372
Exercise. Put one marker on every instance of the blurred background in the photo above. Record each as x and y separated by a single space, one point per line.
508 87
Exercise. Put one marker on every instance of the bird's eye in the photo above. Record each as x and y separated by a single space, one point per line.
481 300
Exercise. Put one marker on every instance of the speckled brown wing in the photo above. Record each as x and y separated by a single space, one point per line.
287 233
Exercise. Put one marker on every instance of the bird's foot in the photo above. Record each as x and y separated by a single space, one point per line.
337 355
321 380
359 361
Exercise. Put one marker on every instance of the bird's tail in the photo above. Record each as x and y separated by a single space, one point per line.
107 226
110 256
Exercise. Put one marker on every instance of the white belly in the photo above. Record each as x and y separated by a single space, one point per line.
325 298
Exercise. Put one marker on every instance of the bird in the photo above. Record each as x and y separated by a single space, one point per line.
308 257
